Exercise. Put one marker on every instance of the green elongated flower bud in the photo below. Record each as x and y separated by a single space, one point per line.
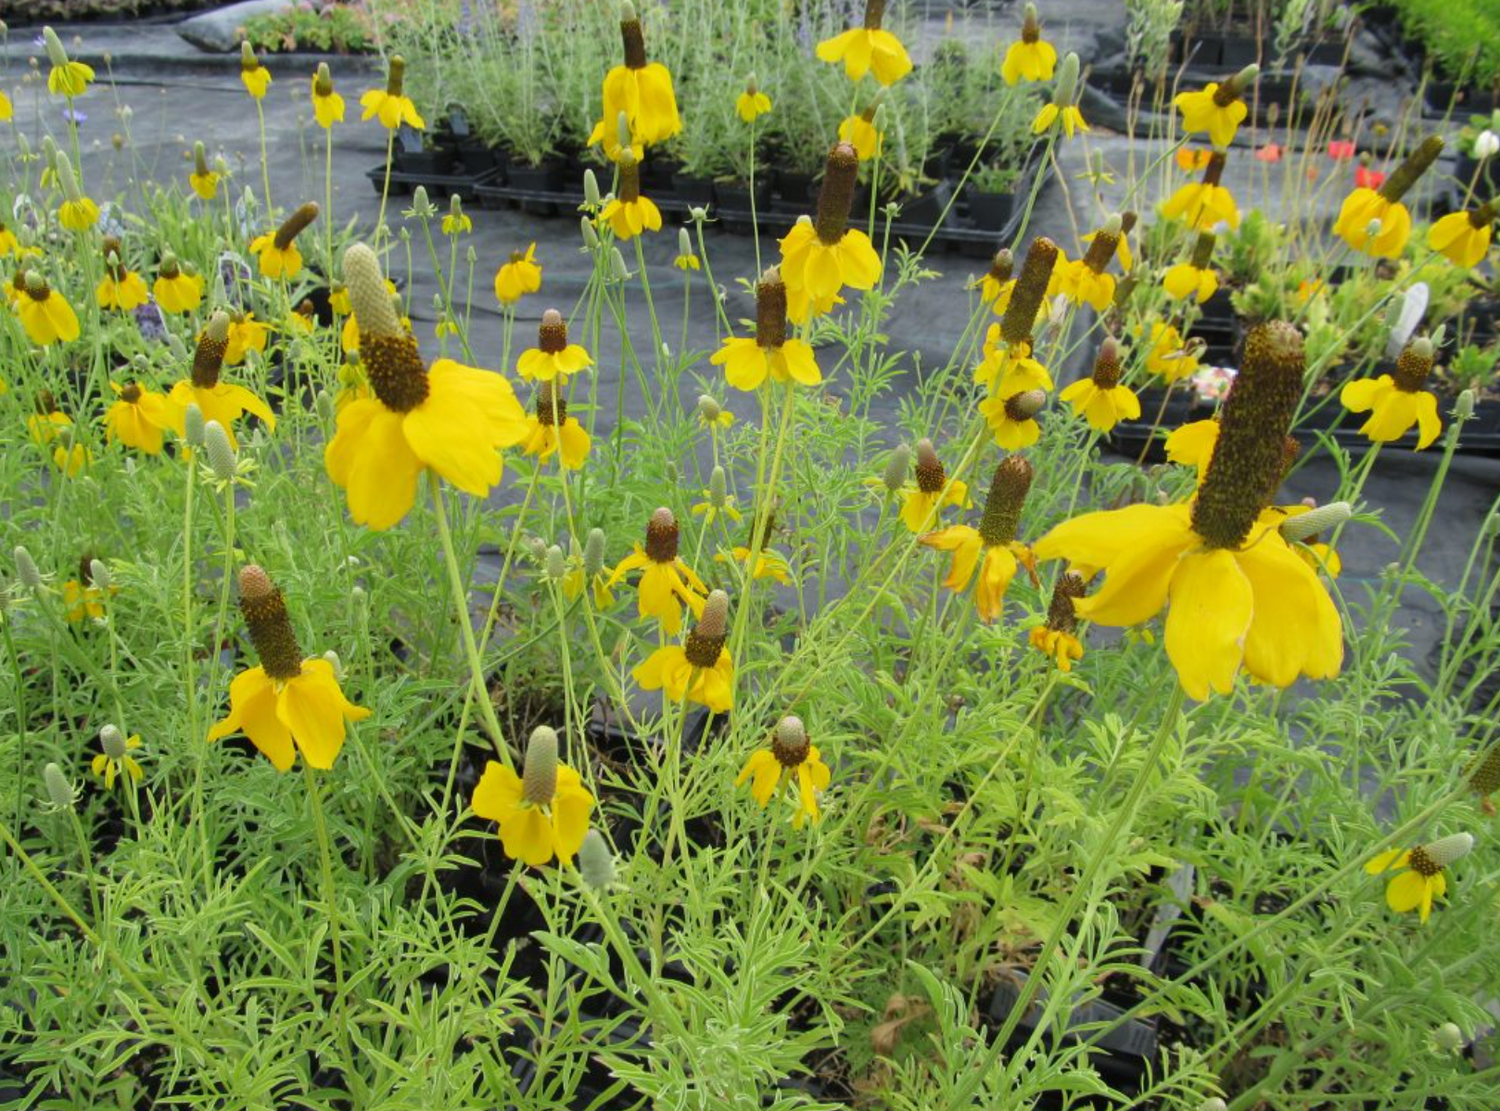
623 136
1250 456
896 468
67 178
556 566
112 741
59 791
596 864
1067 81
1304 526
1463 405
539 773
221 454
193 425
593 552
99 574
591 197
617 266
718 488
248 60
590 236
709 408
684 242
324 406
1213 1103
26 569
421 206
705 641
1448 1038
55 52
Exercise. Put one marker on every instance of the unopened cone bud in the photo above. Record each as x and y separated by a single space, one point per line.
539 774
896 468
99 574
790 743
1317 521
59 790
593 552
26 569
192 425
596 864
112 741
221 455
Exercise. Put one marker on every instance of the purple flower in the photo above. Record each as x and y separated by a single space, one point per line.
150 322
72 115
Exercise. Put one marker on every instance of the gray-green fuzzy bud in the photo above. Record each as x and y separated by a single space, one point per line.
99 574
539 773
596 864
617 265
590 236
193 425
684 242
1067 81
718 488
1445 850
593 552
26 569
333 661
896 468
67 178
55 52
1316 521
421 207
112 741
221 456
1463 407
59 791
555 566
591 195
323 405
1448 1038
709 407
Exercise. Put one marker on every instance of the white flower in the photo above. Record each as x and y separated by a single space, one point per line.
1406 313
1486 144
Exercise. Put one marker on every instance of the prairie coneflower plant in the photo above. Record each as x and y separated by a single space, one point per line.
821 256
638 88
225 402
277 252
869 48
543 812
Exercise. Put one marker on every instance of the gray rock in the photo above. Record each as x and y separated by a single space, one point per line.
218 31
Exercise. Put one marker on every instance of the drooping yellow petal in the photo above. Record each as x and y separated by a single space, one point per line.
1211 607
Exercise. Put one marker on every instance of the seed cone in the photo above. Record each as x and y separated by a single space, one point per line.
1404 176
539 775
1024 406
1413 365
1107 368
662 535
840 173
1214 170
373 311
550 411
393 364
1484 775
770 310
931 475
208 357
705 640
789 744
1029 292
295 224
633 38
1060 614
1007 496
1203 250
270 629
1002 266
1103 246
1249 459
552 333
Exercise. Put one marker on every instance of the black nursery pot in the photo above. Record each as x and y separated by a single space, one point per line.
926 209
989 211
692 189
546 178
793 191
734 203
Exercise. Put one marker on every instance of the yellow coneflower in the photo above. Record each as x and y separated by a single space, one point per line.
450 418
552 431
285 704
1170 355
629 213
699 669
1374 220
83 597
1100 399
203 181
1238 595
391 104
992 548
66 78
138 418
245 334
1063 107
640 89
667 582
1057 637
1195 278
1421 877
45 313
542 813
996 284
115 761
254 76
868 48
457 221
44 424
121 288
686 259
6 111
747 360
1204 204
751 104
553 356
793 759
821 256
219 401
1217 110
1398 401
77 212
328 106
923 499
518 277
1031 58
589 571
277 251
176 290
9 244
1463 238
1084 281
767 563
861 132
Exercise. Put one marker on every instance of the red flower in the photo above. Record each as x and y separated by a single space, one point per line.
1366 178
1268 153
1340 149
